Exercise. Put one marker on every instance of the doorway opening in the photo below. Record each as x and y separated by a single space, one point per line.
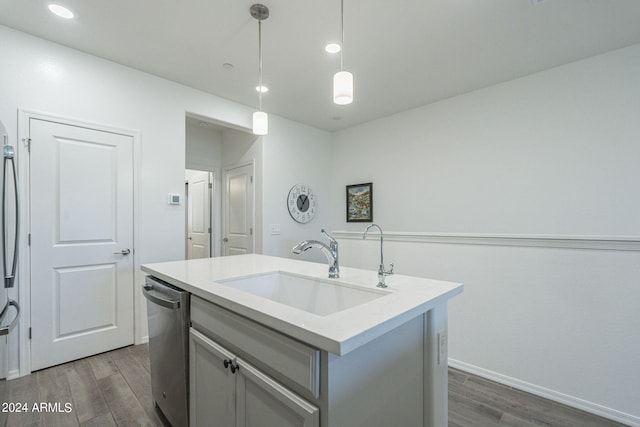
220 212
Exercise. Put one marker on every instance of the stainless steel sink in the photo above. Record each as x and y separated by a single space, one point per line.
310 294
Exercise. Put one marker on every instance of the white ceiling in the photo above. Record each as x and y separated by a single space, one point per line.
402 53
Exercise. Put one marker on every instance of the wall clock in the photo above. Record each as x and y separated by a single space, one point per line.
302 203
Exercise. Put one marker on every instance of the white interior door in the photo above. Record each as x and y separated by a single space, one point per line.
198 214
81 206
238 210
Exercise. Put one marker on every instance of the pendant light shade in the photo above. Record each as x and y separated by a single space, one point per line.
260 118
343 88
342 80
260 123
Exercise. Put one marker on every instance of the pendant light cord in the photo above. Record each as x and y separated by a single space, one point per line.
342 28
260 64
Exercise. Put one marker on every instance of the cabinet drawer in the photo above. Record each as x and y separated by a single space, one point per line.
296 361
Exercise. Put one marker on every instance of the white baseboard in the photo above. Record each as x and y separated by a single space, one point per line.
13 374
565 399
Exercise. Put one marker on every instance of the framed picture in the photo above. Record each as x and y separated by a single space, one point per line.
360 202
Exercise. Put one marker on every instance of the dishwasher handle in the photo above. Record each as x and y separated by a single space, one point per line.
171 304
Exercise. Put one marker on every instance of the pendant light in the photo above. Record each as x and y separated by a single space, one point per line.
342 80
260 118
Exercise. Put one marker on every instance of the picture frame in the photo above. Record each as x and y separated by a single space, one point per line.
360 202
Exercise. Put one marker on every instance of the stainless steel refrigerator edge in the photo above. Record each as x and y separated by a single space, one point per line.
168 316
9 248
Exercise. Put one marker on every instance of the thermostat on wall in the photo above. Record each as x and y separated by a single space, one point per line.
175 199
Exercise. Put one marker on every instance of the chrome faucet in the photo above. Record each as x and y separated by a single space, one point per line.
382 273
331 252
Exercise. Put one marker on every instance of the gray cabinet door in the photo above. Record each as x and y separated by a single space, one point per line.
211 384
260 401
242 397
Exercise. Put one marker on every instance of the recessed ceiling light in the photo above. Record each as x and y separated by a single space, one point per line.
61 11
262 89
227 66
332 48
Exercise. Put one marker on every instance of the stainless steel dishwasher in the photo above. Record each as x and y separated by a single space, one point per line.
168 316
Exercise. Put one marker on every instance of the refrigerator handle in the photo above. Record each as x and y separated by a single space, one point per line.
9 277
5 330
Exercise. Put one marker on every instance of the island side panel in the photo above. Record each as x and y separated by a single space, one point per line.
379 384
436 367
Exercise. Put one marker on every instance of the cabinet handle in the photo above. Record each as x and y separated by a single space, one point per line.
234 368
227 363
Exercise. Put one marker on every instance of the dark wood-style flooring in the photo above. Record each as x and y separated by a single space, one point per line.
114 389
476 401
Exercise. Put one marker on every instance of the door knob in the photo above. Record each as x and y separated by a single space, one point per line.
123 252
225 240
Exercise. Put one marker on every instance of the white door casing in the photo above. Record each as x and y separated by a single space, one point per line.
81 205
238 215
198 215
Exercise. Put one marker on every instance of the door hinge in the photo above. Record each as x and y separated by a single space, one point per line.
29 239
210 186
28 141
252 179
251 231
29 332
209 230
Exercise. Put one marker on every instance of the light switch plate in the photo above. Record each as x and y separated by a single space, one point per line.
175 199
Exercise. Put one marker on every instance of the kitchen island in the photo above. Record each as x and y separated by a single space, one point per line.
284 344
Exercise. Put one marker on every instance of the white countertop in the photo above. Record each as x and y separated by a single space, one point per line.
338 333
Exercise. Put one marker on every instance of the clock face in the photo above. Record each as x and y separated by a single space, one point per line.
302 203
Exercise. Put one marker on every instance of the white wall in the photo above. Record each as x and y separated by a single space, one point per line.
554 153
45 77
292 155
203 147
